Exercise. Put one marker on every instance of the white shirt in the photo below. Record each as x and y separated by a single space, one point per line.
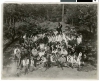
55 32
25 62
44 59
64 38
32 62
16 51
51 58
64 52
41 46
41 53
79 40
50 39
53 39
54 51
79 58
68 38
34 51
57 38
24 37
35 38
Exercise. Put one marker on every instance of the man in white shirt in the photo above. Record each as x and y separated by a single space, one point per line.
79 40
16 51
17 55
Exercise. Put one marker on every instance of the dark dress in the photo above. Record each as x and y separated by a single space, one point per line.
45 40
59 29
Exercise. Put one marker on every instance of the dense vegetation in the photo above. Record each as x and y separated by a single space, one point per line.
21 18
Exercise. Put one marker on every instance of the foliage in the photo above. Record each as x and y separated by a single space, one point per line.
20 18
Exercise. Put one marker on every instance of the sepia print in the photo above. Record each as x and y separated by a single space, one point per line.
50 41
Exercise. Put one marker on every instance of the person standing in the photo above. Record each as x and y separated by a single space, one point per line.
59 28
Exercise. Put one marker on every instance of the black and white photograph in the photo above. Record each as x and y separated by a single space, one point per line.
43 41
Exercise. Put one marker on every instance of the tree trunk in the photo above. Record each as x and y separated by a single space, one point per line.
6 21
90 28
10 22
72 21
13 22
47 15
63 13
9 43
94 30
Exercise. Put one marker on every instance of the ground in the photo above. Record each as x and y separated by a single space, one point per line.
52 73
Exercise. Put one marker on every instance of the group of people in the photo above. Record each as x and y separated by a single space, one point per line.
54 47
